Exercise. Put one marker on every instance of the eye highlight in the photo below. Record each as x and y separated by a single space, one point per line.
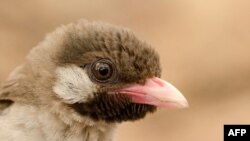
102 71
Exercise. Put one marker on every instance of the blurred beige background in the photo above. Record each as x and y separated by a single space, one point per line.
204 48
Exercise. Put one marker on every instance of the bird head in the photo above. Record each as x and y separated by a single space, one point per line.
103 72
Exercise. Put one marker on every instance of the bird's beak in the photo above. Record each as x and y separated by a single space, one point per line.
156 92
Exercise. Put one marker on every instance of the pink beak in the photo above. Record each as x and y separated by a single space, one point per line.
155 92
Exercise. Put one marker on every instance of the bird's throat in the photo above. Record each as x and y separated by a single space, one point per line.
112 108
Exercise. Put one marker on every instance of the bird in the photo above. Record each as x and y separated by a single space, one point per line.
81 82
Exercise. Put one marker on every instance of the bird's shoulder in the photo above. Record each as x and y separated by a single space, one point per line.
9 88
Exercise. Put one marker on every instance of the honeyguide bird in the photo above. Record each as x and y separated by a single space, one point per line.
81 82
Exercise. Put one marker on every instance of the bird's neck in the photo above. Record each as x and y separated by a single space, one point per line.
84 127
45 125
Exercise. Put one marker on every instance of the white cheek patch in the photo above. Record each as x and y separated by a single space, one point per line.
73 84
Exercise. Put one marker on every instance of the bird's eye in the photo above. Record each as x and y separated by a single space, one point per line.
102 71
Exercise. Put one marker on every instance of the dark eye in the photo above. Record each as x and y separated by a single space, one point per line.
103 71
